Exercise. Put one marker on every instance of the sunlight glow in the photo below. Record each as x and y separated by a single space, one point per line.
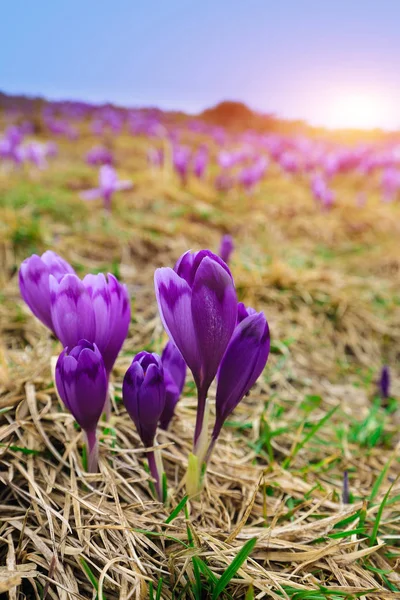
358 111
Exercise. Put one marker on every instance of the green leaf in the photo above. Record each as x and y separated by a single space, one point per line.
374 534
177 510
233 567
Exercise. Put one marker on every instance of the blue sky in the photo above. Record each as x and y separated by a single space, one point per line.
323 60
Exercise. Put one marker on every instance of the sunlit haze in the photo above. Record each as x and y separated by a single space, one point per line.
334 63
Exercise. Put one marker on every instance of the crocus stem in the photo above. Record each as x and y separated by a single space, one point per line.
156 470
92 451
201 406
107 404
210 450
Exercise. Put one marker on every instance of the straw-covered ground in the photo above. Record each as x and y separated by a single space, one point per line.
329 286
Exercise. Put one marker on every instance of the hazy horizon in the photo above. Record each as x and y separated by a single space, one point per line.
330 64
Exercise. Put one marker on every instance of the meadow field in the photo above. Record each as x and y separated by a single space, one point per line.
301 499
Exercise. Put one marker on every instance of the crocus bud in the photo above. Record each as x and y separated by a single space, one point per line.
226 248
143 393
384 383
242 364
82 385
34 284
174 376
198 306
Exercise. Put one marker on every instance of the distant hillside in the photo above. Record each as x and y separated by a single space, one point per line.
232 115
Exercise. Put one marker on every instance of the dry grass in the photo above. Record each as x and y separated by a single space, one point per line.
329 285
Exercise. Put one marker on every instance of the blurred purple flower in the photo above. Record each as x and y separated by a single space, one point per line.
384 383
108 185
98 156
180 159
200 162
226 248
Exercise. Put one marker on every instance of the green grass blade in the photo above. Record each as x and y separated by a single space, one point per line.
177 510
378 518
309 435
233 568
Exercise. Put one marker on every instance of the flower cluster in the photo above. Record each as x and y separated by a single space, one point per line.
210 332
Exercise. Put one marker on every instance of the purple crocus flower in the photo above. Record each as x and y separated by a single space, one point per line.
108 185
198 307
226 248
174 375
242 364
81 382
36 153
143 393
34 284
99 155
200 162
384 383
95 308
180 160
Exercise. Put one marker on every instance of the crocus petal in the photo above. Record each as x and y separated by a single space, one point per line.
242 364
57 265
107 178
120 317
71 310
172 394
34 287
97 288
174 363
214 309
174 302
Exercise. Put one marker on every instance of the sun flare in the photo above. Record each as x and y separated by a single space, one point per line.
358 111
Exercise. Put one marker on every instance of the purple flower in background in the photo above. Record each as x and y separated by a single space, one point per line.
242 364
174 376
108 185
200 162
34 283
390 183
36 153
98 156
180 159
198 307
384 383
226 248
143 393
321 192
82 385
